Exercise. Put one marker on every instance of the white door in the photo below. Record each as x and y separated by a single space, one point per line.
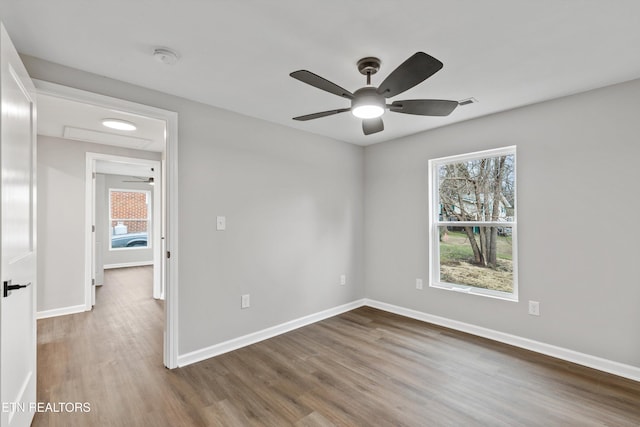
17 249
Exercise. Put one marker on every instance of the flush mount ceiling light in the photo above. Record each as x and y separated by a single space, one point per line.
165 55
118 124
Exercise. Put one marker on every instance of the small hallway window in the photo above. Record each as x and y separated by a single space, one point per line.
129 218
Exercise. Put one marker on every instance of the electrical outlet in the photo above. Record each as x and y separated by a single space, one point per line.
343 279
419 284
245 301
534 308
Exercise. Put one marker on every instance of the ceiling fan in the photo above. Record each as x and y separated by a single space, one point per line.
142 180
368 102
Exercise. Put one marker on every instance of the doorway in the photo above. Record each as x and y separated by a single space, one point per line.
127 205
166 200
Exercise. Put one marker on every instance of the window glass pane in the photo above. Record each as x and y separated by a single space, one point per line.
480 257
129 219
480 189
129 205
126 226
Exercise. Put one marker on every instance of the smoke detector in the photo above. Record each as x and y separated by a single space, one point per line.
165 55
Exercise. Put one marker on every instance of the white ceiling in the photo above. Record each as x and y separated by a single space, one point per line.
238 55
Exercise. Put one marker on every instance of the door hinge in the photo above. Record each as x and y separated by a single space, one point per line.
168 254
93 228
93 282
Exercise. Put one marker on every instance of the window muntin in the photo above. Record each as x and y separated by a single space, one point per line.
473 224
129 219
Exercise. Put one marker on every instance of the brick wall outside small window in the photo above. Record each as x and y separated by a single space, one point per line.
130 209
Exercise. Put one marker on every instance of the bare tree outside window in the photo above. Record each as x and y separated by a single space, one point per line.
474 202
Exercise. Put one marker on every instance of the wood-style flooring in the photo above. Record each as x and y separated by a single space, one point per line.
363 368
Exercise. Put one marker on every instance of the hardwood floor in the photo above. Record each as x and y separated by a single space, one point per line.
363 368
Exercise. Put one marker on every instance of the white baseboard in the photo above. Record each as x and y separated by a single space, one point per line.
605 365
243 341
127 264
60 311
616 368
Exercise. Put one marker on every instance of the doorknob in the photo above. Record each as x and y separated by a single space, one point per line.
9 287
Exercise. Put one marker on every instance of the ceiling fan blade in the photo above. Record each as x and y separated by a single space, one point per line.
321 114
414 70
424 107
321 83
370 126
140 180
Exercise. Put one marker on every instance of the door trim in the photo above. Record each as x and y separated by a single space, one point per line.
90 220
171 192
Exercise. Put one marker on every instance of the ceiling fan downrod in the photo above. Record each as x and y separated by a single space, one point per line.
369 66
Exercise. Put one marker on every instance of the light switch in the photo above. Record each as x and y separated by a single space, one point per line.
245 301
221 223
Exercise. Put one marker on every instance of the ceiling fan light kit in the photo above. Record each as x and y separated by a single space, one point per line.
369 102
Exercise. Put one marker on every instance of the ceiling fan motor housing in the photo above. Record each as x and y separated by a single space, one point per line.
367 103
369 65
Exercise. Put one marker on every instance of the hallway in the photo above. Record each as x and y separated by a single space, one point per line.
90 357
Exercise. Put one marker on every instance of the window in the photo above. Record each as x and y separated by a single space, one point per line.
473 228
129 218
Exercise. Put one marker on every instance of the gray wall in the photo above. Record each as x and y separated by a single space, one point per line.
293 203
114 257
577 190
294 207
61 218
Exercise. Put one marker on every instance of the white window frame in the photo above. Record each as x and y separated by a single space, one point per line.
435 222
149 216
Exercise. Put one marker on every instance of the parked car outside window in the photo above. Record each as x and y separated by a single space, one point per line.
129 240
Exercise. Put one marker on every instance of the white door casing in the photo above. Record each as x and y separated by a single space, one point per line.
170 200
117 163
99 234
93 240
18 241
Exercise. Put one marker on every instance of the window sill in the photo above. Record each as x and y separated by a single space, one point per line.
475 291
132 248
